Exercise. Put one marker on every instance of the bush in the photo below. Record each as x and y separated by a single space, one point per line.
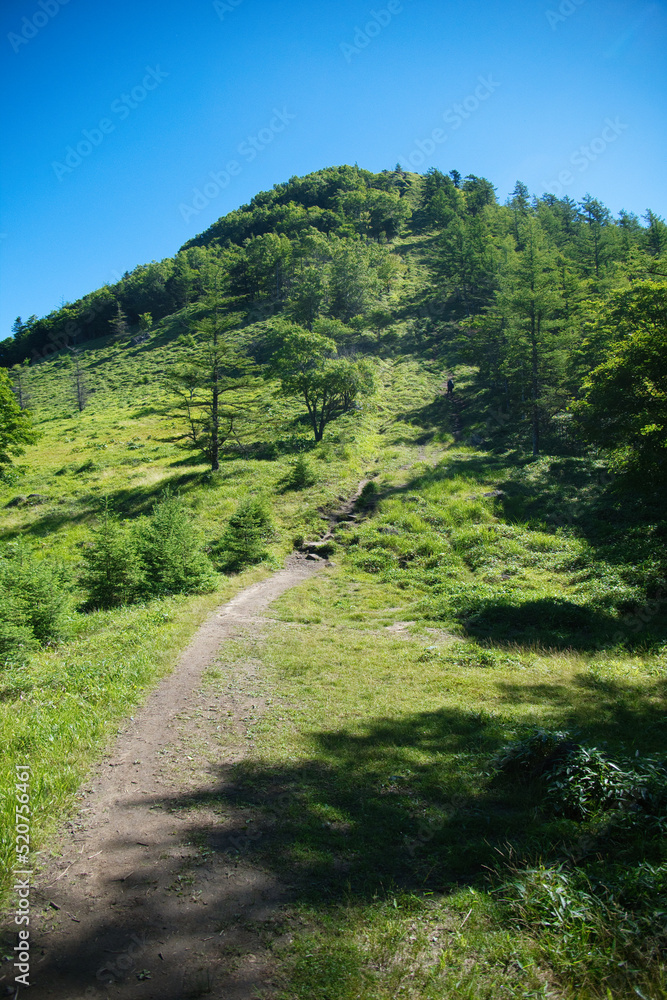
582 782
247 529
535 754
301 475
368 496
171 551
35 603
586 782
16 641
112 569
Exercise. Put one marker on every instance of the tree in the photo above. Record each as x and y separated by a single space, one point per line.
119 322
595 232
111 573
307 368
21 384
16 428
242 544
145 321
180 284
465 262
520 206
171 551
518 343
656 234
624 399
79 381
216 383
479 192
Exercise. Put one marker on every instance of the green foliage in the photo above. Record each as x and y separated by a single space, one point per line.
586 782
214 385
586 925
624 403
35 603
328 385
597 916
173 560
534 754
242 543
16 641
16 430
112 573
301 475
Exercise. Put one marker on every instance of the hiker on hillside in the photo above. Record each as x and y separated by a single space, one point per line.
450 386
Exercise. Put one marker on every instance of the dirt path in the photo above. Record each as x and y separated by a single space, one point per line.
137 905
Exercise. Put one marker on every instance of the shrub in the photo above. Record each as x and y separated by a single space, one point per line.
112 570
536 753
301 475
247 529
16 641
35 603
587 782
368 496
173 560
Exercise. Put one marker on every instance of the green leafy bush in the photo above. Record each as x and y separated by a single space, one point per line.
16 641
586 782
242 544
35 603
160 554
301 475
535 753
112 571
173 560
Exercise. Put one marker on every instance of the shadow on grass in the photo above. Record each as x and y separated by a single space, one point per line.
412 802
129 501
408 803
549 622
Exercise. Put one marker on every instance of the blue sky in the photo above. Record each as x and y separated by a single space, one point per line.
119 112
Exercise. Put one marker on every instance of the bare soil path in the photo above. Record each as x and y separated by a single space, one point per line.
137 906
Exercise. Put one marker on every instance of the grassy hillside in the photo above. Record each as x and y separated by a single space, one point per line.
467 725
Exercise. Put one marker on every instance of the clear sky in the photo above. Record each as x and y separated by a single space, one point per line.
119 111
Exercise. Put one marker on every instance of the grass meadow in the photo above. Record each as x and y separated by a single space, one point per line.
476 599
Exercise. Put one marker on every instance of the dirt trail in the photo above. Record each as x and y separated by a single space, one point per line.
136 906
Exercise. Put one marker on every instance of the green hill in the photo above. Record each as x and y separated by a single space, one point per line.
469 703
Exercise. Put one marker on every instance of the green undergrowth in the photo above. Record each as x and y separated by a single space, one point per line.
374 777
60 704
460 631
472 544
